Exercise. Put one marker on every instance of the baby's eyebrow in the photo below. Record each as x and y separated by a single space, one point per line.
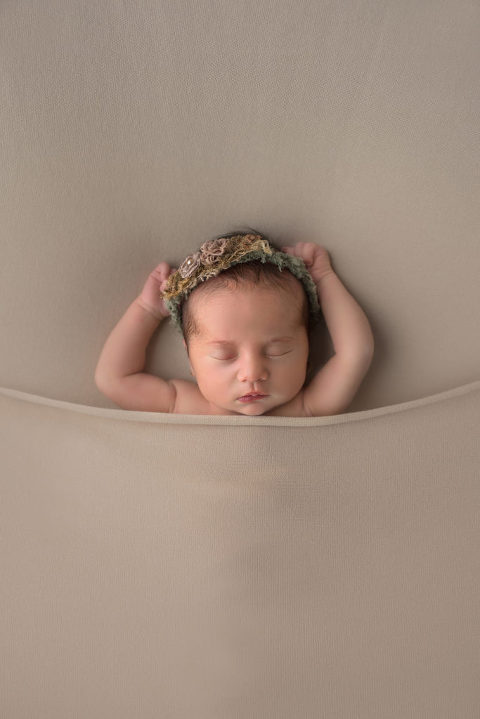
227 342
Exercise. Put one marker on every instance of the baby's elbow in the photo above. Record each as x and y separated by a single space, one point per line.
100 382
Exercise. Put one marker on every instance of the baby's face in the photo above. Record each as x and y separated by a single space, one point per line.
251 341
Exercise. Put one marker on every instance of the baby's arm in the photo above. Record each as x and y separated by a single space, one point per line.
335 385
119 374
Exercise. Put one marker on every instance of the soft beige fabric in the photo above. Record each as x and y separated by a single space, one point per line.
211 568
157 566
134 131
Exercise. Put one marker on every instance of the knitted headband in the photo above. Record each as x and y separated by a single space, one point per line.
215 256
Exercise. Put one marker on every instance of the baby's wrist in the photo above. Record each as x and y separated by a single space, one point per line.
323 275
156 313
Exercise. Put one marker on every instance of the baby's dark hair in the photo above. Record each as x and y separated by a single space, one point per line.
249 274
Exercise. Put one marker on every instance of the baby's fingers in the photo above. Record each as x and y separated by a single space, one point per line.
162 270
304 250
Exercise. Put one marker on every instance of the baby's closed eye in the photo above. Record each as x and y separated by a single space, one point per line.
226 359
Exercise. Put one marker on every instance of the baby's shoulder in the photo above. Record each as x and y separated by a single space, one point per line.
294 408
189 399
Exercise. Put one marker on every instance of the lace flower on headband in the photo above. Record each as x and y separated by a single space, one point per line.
215 256
211 250
212 257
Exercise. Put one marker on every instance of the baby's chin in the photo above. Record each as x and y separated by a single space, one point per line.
253 410
257 407
249 409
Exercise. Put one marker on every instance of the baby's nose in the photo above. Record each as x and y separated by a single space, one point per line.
253 370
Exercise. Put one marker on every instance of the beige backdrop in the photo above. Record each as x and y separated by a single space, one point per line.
167 566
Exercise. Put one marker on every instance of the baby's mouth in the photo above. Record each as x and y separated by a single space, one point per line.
254 395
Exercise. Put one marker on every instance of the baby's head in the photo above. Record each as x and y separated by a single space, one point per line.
246 329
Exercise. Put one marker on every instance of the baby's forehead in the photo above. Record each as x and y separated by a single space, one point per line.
261 295
239 324
278 306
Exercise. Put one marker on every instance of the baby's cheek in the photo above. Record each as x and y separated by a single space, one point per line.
209 382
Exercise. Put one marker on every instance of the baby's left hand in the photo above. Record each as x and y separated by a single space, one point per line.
316 258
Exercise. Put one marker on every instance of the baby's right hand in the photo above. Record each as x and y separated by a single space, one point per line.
150 298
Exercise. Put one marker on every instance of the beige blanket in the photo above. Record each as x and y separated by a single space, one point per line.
212 567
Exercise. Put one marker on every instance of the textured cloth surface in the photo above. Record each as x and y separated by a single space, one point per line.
133 132
188 566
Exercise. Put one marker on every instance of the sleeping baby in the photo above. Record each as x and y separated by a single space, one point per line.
245 310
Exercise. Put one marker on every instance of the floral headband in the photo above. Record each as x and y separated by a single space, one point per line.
215 256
